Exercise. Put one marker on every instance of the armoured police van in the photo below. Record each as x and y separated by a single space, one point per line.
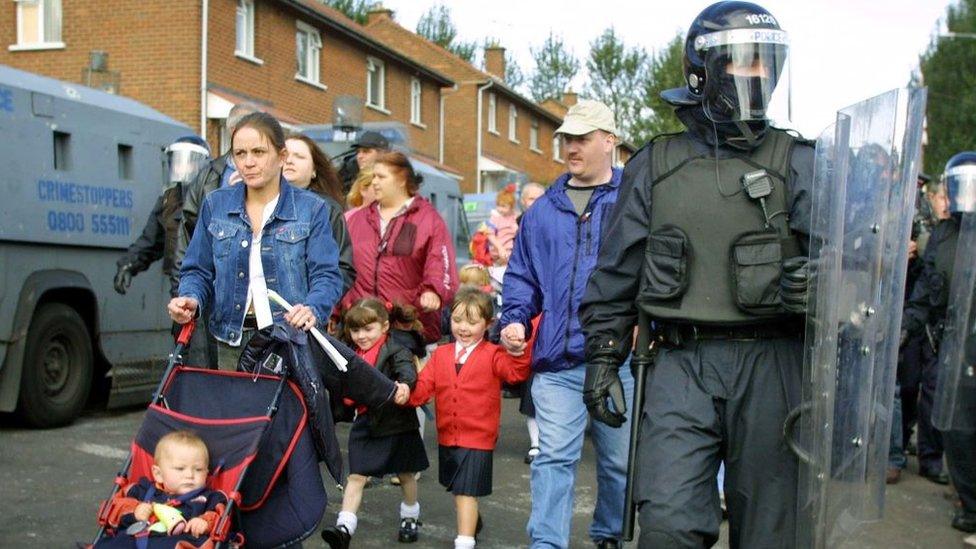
81 171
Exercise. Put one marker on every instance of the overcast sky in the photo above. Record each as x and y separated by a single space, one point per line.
842 51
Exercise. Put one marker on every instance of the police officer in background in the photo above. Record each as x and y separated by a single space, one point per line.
710 247
926 313
185 157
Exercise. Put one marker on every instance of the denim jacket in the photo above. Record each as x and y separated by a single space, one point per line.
298 253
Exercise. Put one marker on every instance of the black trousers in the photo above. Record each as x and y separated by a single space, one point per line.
910 381
707 402
960 450
929 438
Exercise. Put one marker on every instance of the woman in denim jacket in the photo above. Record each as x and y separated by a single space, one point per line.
263 234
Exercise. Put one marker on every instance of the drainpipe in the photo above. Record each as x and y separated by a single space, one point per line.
440 145
477 159
203 68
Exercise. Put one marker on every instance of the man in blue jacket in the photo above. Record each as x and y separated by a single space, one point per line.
555 251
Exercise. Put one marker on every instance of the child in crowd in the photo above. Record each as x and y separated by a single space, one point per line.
496 237
385 440
176 506
465 377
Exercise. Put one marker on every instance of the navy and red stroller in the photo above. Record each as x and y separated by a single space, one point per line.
266 429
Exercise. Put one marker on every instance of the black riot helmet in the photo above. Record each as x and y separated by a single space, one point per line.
733 58
960 181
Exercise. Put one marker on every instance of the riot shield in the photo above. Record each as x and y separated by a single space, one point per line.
863 196
956 389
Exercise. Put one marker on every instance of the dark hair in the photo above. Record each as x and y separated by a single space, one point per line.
400 164
470 298
326 180
363 313
405 317
266 125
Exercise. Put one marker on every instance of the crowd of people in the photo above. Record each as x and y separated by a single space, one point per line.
564 285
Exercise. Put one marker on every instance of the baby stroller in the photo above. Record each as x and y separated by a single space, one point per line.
262 456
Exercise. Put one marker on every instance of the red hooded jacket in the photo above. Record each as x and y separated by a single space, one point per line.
415 255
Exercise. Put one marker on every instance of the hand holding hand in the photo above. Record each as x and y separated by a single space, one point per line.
197 527
430 301
301 317
513 337
182 309
402 393
143 511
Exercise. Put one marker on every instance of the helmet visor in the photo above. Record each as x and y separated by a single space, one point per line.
961 188
184 159
742 70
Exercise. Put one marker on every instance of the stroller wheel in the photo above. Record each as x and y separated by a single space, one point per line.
409 530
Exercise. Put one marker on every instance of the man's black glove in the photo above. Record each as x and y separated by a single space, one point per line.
603 382
794 283
123 278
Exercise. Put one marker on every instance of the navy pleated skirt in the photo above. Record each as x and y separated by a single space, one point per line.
465 471
378 456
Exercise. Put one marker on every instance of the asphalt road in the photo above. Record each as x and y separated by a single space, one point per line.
52 481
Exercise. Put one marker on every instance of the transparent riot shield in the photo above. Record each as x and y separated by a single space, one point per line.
863 196
956 389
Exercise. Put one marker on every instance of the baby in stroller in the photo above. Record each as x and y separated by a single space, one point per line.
176 504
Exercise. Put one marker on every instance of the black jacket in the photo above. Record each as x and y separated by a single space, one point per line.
396 363
208 180
158 238
927 303
608 312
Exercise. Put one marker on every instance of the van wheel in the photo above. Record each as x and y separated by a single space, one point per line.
57 371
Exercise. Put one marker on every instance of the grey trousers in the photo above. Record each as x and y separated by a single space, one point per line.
711 401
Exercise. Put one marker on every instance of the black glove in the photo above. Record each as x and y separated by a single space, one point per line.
794 284
602 382
123 278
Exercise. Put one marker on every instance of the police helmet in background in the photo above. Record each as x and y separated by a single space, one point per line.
735 54
960 181
185 157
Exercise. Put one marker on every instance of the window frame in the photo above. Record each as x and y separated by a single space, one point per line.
534 136
314 66
492 113
557 148
377 66
248 53
416 102
513 123
45 43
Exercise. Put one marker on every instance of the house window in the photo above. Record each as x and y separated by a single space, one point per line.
39 23
245 28
534 136
308 45
512 123
375 83
557 143
492 113
415 101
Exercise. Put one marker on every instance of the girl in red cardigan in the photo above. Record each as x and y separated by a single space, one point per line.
465 377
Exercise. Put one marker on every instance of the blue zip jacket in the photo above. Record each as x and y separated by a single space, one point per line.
298 253
555 252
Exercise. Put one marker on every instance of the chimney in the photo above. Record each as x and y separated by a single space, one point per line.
377 13
495 61
569 98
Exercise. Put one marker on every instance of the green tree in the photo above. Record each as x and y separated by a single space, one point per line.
947 70
616 77
665 70
437 26
357 10
555 66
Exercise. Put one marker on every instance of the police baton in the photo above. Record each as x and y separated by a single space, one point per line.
640 364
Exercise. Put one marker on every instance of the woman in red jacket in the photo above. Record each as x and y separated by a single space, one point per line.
402 249
466 378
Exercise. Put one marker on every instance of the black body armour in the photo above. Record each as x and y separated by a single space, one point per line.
713 256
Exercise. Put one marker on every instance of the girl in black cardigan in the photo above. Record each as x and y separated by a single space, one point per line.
385 440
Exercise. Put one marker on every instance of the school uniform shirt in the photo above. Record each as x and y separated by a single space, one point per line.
468 399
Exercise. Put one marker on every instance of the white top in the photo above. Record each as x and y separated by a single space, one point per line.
384 222
461 353
257 288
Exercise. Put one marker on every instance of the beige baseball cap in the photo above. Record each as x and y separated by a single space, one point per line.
586 116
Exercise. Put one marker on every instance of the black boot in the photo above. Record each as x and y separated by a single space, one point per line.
337 537
964 522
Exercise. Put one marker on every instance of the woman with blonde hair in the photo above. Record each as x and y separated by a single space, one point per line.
361 194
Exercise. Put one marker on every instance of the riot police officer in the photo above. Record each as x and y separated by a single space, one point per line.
710 247
926 311
185 157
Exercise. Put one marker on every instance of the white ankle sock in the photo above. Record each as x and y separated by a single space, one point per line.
410 511
348 521
464 542
533 428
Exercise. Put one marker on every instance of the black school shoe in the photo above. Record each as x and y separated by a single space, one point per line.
409 530
964 522
337 537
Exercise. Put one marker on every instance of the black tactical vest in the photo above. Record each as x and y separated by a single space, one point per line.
710 257
945 259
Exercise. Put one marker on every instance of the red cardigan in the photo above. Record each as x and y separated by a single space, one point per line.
469 403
